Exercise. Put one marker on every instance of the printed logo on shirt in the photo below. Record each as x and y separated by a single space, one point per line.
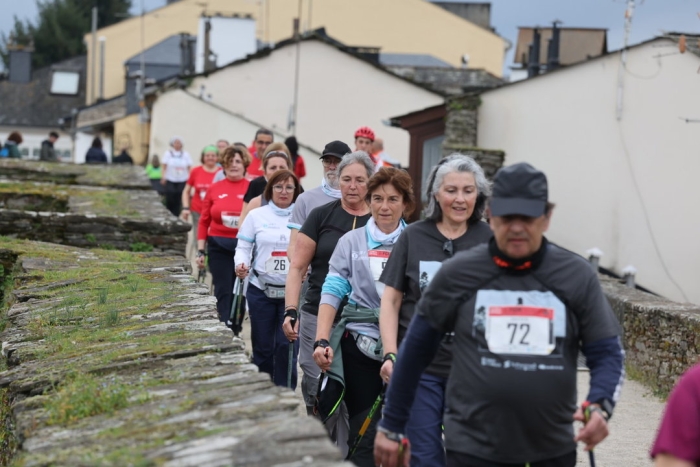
520 323
223 196
427 269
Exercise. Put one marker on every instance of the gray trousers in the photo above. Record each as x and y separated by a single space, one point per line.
337 426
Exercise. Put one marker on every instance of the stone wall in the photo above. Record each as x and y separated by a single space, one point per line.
661 337
117 358
89 216
461 133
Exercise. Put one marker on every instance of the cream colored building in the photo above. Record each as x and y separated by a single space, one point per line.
338 92
628 186
399 26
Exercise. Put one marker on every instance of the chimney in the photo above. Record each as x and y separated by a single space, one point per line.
209 59
187 53
533 62
553 47
20 63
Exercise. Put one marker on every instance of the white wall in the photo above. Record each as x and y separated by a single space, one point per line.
564 124
83 142
32 138
229 38
338 93
198 123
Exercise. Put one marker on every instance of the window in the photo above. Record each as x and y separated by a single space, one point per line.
65 82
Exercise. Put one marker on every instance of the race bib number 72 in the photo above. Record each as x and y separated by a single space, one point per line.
520 330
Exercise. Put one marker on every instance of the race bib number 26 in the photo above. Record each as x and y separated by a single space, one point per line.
277 263
520 330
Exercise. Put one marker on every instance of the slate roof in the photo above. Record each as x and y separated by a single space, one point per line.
412 60
32 104
165 52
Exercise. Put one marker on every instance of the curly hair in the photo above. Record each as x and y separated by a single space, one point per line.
231 152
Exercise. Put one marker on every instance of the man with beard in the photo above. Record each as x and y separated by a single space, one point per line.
307 201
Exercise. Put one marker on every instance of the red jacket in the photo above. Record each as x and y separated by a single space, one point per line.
221 209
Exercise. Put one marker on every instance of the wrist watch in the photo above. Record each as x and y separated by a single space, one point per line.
392 436
605 407
322 343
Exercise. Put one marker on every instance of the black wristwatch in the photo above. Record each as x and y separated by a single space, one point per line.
201 253
321 343
606 408
390 356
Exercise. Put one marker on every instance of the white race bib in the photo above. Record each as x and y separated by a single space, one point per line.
377 262
520 330
229 219
277 263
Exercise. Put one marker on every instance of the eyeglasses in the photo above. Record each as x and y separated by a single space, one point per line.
286 189
448 248
263 143
328 161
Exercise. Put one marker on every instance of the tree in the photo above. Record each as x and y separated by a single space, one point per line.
59 31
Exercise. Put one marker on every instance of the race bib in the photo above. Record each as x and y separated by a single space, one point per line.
230 220
377 262
277 263
520 330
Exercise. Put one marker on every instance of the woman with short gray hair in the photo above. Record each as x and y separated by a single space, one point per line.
315 244
457 192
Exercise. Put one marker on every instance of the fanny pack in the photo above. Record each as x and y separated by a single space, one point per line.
367 345
273 291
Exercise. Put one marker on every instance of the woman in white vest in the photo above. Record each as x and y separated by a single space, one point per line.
262 241
176 166
351 356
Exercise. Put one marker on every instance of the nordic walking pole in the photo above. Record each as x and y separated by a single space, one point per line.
586 408
236 305
290 361
366 423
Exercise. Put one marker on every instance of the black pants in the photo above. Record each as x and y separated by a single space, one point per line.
221 250
458 459
173 197
362 386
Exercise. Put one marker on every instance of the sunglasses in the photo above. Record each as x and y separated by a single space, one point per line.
448 247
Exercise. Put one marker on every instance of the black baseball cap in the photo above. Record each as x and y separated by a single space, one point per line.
336 148
519 189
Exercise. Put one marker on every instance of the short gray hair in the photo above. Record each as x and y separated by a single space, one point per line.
357 157
457 163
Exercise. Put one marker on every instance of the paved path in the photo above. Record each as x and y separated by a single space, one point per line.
632 429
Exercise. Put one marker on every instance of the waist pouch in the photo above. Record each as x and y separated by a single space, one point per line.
367 345
273 291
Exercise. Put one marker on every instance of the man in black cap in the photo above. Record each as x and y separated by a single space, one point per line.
305 203
520 308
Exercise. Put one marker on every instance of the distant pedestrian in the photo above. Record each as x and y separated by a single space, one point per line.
678 441
123 158
11 148
380 156
48 153
297 160
95 154
176 171
221 145
154 174
263 138
196 189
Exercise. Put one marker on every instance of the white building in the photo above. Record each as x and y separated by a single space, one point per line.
626 185
338 91
199 123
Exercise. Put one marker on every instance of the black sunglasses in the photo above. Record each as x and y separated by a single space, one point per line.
448 248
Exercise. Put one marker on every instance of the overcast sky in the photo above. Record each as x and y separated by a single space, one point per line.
651 16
